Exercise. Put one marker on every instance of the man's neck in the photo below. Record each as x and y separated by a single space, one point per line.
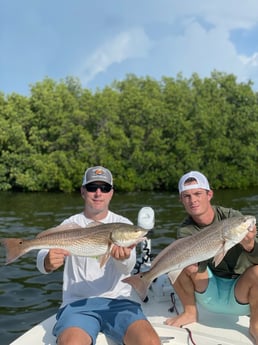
97 217
206 218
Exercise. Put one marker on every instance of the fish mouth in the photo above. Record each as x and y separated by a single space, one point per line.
252 221
251 227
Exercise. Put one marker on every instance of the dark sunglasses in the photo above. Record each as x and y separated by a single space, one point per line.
92 187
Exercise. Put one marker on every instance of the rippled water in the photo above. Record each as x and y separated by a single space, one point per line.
26 296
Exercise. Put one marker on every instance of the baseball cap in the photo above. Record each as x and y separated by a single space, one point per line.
97 173
201 180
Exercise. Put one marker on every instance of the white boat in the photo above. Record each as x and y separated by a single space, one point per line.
211 329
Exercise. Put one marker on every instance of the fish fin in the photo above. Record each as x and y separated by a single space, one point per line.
139 283
64 227
218 258
59 228
222 251
14 248
105 257
173 275
122 244
228 245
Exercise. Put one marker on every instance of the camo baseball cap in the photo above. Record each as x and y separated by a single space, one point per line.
97 173
201 181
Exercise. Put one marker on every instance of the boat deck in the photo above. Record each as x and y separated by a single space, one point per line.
212 329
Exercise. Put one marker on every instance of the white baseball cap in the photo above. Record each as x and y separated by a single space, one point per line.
201 181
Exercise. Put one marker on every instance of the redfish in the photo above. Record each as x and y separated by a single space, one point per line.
95 240
213 241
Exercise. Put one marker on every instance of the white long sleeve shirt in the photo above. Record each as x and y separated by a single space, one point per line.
83 277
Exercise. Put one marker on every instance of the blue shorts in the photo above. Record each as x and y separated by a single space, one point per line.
109 316
219 296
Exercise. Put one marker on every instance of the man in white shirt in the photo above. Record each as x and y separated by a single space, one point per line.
95 298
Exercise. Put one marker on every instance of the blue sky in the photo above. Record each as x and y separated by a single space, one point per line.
99 41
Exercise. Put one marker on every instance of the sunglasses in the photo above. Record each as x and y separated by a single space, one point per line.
92 187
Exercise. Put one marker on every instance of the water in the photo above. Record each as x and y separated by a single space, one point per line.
27 296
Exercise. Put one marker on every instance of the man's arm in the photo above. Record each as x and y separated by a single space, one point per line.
124 258
50 260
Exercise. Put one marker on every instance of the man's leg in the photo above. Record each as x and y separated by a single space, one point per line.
74 336
246 291
141 332
186 284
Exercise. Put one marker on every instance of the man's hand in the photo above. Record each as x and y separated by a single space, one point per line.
248 241
55 259
121 253
192 269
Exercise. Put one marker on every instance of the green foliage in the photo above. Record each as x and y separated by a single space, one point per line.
147 132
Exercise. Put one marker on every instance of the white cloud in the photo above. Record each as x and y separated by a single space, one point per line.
250 60
187 37
126 45
250 64
99 42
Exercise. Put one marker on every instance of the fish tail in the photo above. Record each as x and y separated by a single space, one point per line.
139 283
14 248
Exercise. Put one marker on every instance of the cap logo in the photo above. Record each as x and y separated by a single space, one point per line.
99 172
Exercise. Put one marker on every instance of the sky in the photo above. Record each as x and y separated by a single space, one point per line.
99 41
